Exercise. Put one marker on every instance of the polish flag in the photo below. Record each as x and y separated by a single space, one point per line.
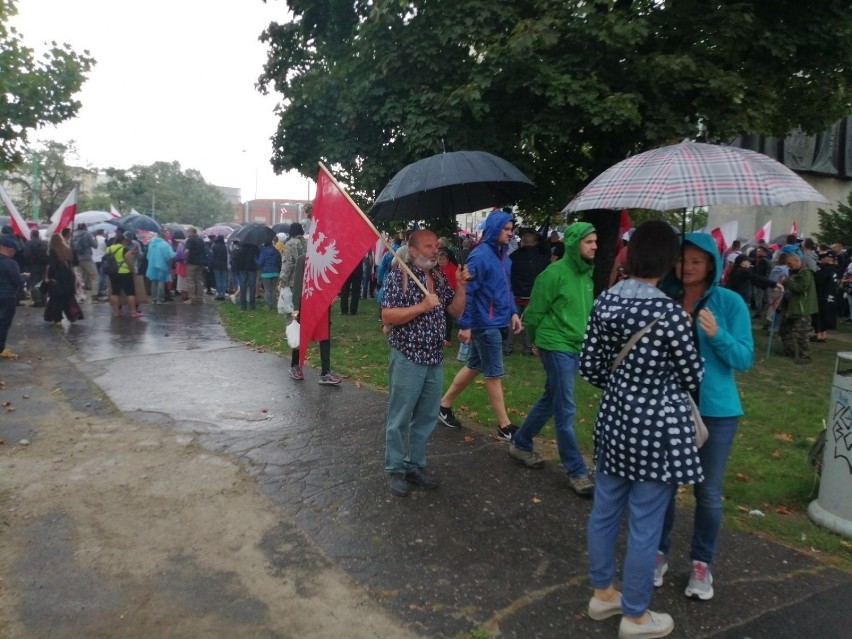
18 224
765 232
114 212
623 227
64 215
340 236
794 229
725 235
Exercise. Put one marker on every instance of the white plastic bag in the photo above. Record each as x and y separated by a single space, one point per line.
285 301
292 333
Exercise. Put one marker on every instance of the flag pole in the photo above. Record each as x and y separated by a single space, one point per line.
369 222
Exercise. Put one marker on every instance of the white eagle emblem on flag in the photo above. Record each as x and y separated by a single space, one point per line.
321 258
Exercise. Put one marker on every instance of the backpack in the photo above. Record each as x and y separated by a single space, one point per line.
109 264
78 243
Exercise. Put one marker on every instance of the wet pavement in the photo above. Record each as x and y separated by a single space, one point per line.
497 547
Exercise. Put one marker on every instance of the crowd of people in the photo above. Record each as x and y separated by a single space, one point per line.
667 336
671 331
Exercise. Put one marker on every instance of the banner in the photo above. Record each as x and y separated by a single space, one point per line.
340 236
18 224
64 215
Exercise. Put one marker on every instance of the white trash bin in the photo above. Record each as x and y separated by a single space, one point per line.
832 509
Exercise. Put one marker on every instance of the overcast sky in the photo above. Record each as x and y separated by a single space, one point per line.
174 81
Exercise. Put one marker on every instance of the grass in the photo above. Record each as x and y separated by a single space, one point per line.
785 406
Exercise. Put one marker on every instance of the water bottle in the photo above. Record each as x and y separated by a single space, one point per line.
463 349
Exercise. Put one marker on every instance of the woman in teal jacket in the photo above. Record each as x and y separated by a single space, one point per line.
722 331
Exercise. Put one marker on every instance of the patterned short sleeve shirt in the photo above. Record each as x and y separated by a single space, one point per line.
422 339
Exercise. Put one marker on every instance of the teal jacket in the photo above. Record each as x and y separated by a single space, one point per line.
731 349
562 298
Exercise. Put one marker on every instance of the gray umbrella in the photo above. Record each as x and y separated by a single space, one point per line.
448 184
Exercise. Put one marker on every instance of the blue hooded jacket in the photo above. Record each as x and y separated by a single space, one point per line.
731 349
490 302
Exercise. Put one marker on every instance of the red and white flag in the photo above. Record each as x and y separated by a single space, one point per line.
725 235
794 229
765 232
64 215
340 236
18 224
624 227
114 211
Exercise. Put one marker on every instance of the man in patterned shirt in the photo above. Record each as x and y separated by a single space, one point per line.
415 376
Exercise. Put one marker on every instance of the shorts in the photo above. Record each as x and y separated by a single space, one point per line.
122 283
486 352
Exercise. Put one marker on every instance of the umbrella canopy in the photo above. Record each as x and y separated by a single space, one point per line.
218 229
177 231
282 227
253 233
694 174
92 217
138 222
106 227
231 225
447 184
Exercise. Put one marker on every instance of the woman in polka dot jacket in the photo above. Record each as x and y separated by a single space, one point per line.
644 433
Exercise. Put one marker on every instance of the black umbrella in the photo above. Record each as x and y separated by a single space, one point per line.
253 233
138 222
282 227
448 184
177 231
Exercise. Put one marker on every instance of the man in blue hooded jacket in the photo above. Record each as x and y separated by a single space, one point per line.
489 309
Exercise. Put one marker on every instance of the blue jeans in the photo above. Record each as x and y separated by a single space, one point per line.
221 282
248 284
414 398
486 352
708 494
557 402
158 291
646 502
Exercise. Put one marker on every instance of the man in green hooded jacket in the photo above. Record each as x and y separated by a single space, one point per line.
555 319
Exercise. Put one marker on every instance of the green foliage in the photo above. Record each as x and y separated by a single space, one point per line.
835 225
561 89
34 92
167 193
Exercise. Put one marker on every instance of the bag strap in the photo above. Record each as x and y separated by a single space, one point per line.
631 343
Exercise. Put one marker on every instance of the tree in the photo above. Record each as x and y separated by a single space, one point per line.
34 93
561 88
167 193
835 225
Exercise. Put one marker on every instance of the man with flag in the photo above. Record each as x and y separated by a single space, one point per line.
417 323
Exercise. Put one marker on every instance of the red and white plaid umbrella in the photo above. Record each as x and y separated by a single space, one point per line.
694 174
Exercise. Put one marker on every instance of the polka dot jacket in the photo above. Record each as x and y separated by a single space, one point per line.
644 429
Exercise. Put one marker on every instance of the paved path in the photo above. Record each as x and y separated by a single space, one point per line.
497 547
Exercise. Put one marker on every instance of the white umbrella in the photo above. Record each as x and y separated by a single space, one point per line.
92 217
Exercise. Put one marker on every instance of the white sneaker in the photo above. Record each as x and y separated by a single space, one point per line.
660 569
659 625
700 582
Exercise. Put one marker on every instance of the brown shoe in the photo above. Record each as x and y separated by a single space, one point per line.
528 458
583 486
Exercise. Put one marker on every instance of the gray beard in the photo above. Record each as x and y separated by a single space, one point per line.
423 264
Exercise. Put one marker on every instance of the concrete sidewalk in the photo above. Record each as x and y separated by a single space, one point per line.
497 547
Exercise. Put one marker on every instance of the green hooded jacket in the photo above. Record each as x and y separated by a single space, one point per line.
562 298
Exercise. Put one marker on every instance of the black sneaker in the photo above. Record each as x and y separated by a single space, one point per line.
421 477
446 417
506 432
397 484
